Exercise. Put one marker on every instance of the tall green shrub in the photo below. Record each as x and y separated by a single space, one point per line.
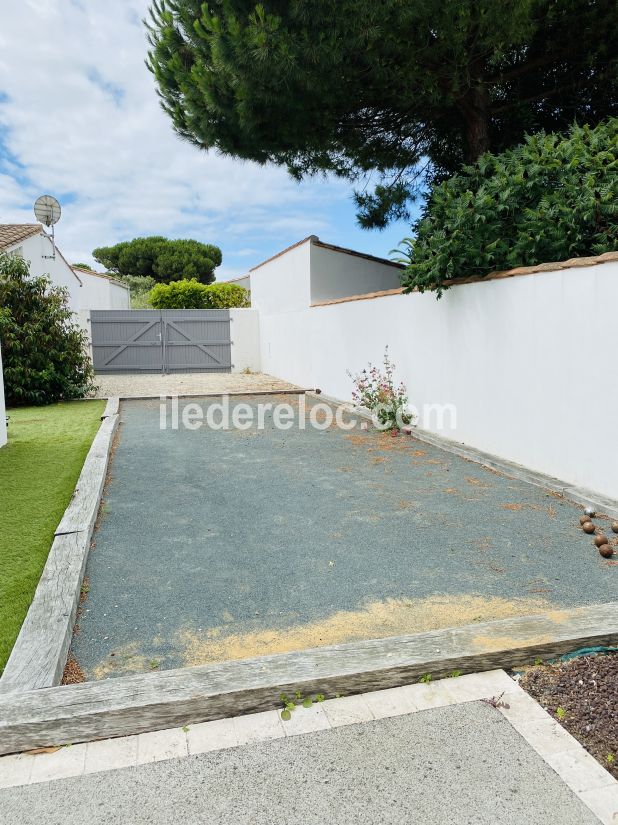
552 198
44 353
193 295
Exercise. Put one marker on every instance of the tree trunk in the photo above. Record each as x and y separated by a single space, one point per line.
475 109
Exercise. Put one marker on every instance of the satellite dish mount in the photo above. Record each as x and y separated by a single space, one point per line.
47 211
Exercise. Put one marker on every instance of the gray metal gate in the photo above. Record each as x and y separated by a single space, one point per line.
168 340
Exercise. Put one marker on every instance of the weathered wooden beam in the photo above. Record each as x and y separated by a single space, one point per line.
144 702
231 394
112 407
82 511
39 654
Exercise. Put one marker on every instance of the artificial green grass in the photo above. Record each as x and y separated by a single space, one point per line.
39 467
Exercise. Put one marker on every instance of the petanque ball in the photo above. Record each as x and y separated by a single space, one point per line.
588 527
606 551
600 540
590 511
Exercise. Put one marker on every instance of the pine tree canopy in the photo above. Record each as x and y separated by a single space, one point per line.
402 91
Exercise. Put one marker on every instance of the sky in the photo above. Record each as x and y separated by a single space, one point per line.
80 120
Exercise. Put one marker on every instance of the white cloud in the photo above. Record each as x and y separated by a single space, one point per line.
79 118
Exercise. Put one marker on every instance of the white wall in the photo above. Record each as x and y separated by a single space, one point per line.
244 282
98 292
529 362
281 291
245 332
2 408
85 291
33 249
337 274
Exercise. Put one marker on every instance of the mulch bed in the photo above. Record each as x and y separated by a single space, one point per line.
582 694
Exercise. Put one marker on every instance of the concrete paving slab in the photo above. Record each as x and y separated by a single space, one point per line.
463 763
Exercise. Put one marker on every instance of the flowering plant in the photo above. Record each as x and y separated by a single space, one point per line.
375 389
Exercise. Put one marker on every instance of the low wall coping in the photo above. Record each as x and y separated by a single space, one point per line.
553 266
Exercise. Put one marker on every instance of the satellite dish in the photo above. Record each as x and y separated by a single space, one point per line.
47 210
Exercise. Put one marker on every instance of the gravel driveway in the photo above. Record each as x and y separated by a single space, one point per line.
190 383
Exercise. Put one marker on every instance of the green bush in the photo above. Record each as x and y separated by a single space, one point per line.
193 295
227 296
44 353
552 198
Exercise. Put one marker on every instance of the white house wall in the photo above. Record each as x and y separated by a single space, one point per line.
33 249
281 291
338 274
102 293
527 362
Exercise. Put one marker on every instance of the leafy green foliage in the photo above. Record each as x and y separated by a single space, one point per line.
553 198
397 91
44 353
139 289
162 259
193 295
290 705
83 266
226 296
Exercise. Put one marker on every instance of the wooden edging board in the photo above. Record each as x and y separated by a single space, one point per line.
40 651
136 704
234 394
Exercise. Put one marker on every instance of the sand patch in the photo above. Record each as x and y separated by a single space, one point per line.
393 617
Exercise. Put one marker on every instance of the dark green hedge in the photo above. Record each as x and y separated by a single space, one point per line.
552 198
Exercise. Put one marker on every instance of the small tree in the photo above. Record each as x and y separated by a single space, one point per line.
44 352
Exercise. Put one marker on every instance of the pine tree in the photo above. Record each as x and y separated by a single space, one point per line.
405 89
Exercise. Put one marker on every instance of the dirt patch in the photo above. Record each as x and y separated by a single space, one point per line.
581 695
476 482
393 617
73 674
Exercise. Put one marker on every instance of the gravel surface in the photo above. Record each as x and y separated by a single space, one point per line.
582 695
132 386
215 545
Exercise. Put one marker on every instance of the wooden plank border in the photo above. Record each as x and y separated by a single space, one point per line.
235 394
151 701
40 651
